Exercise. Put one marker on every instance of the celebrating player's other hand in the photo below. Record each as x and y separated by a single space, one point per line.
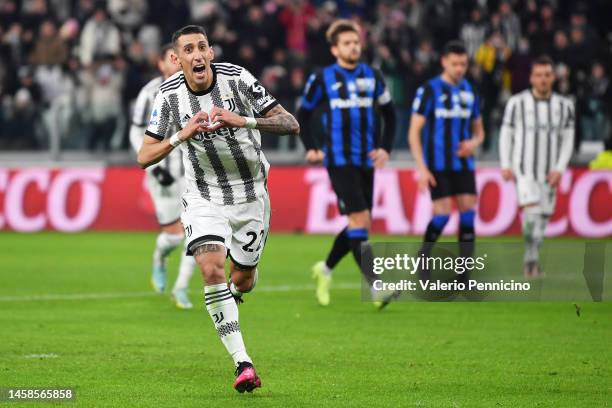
220 117
379 157
553 178
507 174
466 148
315 156
426 179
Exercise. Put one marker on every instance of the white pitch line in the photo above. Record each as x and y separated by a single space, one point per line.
128 295
49 355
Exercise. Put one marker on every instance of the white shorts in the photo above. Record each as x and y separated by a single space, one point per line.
540 193
166 200
241 228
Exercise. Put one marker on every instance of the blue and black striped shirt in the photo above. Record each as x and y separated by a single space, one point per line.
349 99
449 111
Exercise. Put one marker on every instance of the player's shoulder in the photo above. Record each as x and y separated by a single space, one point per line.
517 97
172 83
228 69
566 100
153 85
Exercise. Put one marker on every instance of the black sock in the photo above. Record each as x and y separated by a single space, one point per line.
358 242
466 239
433 232
466 233
340 248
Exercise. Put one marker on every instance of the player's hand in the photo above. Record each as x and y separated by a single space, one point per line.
426 179
507 174
379 158
220 118
553 178
199 123
466 148
315 156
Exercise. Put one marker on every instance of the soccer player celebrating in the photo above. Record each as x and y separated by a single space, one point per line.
166 184
535 146
445 130
226 205
351 94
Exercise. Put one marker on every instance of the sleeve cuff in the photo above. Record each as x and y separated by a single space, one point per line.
154 136
268 108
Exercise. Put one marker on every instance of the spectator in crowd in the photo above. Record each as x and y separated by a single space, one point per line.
473 32
49 47
100 38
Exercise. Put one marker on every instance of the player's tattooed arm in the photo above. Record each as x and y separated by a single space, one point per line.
279 121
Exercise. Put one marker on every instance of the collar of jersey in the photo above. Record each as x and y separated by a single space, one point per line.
348 71
210 88
452 86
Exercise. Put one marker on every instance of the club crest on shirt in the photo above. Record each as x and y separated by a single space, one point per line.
466 97
229 104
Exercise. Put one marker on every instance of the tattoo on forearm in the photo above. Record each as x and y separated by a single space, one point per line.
207 248
279 121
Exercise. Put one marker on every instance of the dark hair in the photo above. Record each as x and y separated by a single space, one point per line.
454 47
543 60
190 29
338 27
164 49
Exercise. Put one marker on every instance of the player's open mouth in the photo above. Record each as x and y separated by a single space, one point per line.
199 68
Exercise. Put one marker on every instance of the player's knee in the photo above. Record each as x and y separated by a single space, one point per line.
360 220
213 271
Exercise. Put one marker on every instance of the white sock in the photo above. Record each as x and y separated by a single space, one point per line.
186 268
164 245
224 314
326 269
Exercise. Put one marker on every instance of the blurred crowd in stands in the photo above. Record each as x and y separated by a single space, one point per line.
73 68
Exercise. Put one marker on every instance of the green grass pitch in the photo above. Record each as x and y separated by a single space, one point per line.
83 302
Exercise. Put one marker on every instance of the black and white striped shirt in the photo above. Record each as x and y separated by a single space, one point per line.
140 119
227 166
537 135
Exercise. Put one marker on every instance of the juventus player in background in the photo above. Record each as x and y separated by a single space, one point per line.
535 146
226 206
166 184
351 94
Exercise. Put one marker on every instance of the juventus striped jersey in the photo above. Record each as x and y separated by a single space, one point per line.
537 135
226 166
142 111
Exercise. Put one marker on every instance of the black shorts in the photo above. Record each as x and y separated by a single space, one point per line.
353 186
452 183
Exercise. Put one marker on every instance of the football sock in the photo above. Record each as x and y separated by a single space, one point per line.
165 244
531 227
186 268
537 237
433 232
466 233
340 248
358 242
224 314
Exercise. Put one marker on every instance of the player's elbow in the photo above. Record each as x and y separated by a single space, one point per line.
142 160
294 127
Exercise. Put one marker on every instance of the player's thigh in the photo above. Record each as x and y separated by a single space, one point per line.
250 223
166 201
204 223
441 193
348 184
